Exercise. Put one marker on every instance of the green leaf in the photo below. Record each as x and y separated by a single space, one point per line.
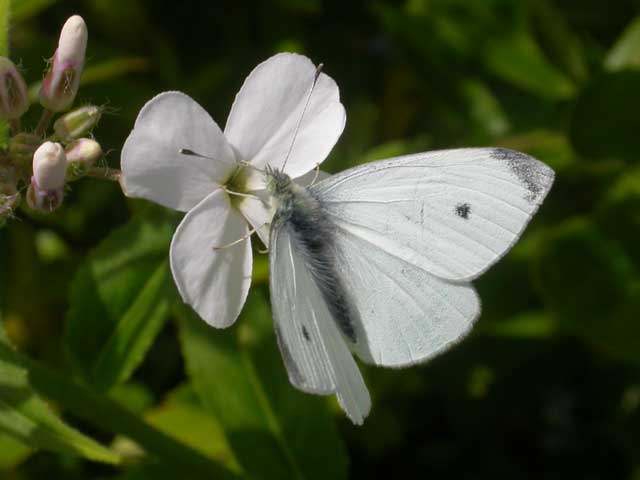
518 60
561 44
120 301
625 53
590 286
274 430
604 122
618 215
102 412
5 11
12 452
25 417
25 9
524 326
182 416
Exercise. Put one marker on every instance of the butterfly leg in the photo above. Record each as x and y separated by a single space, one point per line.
315 177
241 239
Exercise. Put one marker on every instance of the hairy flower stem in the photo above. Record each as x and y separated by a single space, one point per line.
45 118
14 126
105 173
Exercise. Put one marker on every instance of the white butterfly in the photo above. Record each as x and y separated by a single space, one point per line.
378 260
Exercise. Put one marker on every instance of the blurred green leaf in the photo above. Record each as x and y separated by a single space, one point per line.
625 53
524 326
25 417
119 301
274 430
484 108
135 397
618 215
590 286
605 122
12 452
517 60
182 416
557 39
102 412
25 9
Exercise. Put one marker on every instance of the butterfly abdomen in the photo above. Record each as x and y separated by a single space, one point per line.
313 233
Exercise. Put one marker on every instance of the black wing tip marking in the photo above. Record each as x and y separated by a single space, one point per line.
536 176
463 210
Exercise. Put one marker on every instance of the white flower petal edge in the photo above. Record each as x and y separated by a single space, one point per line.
151 163
257 214
267 110
215 283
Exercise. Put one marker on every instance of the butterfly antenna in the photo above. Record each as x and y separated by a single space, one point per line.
191 153
306 105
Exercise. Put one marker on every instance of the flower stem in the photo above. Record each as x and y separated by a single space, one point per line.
14 125
105 173
45 118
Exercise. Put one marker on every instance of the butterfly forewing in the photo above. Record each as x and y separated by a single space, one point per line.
452 213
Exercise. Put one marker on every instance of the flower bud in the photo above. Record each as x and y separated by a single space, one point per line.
22 147
14 100
81 156
47 183
77 123
60 84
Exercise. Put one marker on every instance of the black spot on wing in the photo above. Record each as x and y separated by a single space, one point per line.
305 334
463 210
292 367
533 174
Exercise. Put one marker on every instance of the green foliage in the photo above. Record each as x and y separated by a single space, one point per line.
545 386
26 418
603 124
120 301
268 425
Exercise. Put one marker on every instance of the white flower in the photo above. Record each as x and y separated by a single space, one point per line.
259 132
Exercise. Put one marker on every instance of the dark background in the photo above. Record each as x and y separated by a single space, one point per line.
548 384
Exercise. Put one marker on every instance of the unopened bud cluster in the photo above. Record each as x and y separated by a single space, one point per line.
38 161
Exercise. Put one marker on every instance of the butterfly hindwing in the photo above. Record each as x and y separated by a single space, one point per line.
405 314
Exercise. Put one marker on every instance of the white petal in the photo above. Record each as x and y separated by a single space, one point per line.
214 282
258 214
152 166
268 108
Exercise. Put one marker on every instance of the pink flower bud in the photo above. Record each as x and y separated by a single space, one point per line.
60 84
14 100
49 166
81 156
47 183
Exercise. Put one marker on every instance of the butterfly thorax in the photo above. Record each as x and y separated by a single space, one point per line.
298 210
